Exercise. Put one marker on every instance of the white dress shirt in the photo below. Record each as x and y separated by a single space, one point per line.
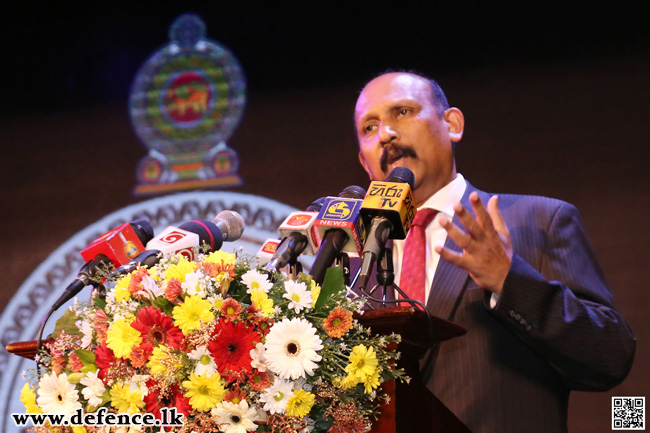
443 201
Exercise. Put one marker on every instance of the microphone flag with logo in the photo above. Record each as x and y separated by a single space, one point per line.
226 226
388 210
341 229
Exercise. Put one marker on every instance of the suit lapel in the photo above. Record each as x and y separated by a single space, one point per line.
449 280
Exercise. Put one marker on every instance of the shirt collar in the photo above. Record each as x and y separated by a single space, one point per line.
444 199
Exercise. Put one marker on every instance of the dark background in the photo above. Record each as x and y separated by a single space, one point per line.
555 98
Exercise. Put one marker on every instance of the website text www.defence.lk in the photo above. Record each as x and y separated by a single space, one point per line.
168 418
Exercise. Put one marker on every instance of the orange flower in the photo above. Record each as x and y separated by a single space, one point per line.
338 322
135 285
235 395
75 363
173 290
259 381
231 309
101 326
216 270
140 356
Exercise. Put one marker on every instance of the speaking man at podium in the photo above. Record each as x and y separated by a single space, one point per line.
517 271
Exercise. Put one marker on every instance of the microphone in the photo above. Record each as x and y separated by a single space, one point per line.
86 273
388 210
341 229
298 236
226 226
121 244
265 253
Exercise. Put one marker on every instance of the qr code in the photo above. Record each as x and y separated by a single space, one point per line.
628 413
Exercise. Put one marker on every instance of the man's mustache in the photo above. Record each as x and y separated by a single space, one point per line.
393 152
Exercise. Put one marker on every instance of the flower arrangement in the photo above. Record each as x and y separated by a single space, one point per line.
230 346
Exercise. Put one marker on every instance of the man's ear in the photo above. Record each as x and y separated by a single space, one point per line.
363 162
454 117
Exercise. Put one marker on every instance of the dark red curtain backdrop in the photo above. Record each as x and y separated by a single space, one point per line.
555 100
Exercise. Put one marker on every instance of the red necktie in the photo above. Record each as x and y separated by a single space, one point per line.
413 276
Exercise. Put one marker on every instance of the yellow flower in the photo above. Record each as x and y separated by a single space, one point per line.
180 269
125 398
349 381
371 382
28 398
121 337
204 391
363 362
161 361
315 293
221 256
262 302
189 315
301 403
121 290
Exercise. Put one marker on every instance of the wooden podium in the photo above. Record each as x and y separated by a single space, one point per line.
413 407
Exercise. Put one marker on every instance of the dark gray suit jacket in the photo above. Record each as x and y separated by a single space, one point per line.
554 328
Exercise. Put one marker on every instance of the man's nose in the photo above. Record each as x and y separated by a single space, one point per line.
388 133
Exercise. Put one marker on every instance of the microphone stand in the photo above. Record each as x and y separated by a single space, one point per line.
343 261
386 280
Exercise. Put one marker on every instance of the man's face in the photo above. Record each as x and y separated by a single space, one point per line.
398 125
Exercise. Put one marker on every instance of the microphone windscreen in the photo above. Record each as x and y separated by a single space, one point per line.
401 175
143 230
208 232
353 191
231 224
316 205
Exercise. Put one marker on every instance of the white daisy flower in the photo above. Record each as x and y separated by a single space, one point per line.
138 382
57 395
191 286
298 294
93 388
291 348
150 286
235 418
276 396
256 280
257 357
205 364
86 329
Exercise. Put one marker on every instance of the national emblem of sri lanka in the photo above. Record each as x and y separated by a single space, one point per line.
186 101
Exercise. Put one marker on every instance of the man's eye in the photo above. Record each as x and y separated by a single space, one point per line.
369 128
404 111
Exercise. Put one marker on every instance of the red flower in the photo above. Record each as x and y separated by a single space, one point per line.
157 328
104 359
230 348
172 397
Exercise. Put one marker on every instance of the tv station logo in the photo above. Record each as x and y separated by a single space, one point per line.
340 209
392 200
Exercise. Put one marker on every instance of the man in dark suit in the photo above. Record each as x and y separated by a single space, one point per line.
519 274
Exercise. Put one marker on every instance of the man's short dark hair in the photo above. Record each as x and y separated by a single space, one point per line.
438 97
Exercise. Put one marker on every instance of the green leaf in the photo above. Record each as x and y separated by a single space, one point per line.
333 283
67 323
100 303
164 305
86 356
